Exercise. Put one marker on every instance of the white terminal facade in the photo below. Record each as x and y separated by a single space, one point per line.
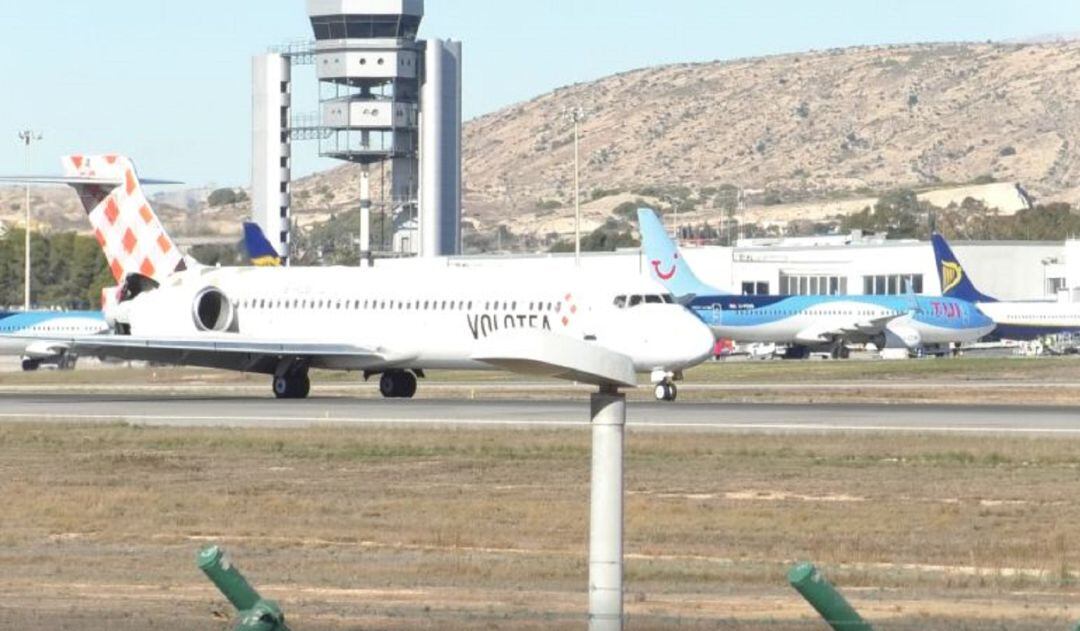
853 264
385 97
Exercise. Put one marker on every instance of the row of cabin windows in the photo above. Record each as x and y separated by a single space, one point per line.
626 302
816 312
13 329
406 305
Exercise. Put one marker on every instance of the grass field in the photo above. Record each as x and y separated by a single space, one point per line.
383 528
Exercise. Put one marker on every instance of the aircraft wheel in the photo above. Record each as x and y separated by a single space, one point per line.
301 386
388 385
406 385
282 387
30 365
665 391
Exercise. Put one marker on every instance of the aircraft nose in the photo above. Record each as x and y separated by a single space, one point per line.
696 340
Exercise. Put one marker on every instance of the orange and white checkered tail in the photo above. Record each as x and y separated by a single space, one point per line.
131 235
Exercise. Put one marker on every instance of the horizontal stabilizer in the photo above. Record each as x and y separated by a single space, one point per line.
544 354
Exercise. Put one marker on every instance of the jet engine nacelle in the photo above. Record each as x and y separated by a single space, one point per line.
181 309
899 334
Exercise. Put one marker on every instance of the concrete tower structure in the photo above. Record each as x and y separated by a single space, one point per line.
385 97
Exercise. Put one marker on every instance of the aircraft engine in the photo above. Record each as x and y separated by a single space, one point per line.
212 311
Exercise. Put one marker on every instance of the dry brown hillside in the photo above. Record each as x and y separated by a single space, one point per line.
792 127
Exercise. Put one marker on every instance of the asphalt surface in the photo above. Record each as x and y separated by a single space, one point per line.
260 411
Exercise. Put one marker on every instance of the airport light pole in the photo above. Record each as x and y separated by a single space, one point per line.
27 137
577 115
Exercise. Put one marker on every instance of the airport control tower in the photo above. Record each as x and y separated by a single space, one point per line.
384 97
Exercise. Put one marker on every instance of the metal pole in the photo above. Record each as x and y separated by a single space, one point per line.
28 137
577 190
365 215
608 409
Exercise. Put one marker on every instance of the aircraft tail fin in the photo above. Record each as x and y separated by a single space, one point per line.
955 282
666 263
260 251
125 225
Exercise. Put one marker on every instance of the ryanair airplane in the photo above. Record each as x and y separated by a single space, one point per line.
1014 320
810 323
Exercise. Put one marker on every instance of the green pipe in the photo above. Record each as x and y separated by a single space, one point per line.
825 599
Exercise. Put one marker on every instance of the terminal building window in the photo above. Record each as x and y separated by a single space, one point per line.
892 284
800 285
755 288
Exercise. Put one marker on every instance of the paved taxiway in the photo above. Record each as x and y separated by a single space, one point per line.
189 410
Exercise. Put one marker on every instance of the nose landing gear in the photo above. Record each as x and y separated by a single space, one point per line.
666 391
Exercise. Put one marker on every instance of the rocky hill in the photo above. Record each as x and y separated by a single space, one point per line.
786 129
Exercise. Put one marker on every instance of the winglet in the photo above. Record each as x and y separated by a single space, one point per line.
955 282
666 264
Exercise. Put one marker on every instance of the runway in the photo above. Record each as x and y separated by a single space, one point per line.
252 411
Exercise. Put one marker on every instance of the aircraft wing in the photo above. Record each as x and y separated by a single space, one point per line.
229 353
544 354
827 332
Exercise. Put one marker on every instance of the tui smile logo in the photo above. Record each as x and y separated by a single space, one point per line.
951 275
670 273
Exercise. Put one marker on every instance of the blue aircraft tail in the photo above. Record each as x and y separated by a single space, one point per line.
666 264
955 282
259 249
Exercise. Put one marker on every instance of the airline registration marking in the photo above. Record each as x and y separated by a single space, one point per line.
482 325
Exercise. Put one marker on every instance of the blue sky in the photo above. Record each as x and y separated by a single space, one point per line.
169 82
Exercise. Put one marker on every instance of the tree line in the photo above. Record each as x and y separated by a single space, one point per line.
68 270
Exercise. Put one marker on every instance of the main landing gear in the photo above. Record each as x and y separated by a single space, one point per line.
397 384
293 384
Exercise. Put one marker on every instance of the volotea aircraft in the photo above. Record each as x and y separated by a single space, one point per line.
395 321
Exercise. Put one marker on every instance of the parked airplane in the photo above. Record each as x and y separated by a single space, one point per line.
1014 320
806 323
260 251
395 321
16 326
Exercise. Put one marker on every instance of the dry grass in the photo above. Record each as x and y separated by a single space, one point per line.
424 528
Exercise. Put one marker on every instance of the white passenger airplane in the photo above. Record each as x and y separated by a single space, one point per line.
395 322
17 326
1014 319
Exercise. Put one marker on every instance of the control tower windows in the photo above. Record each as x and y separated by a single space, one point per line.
365 26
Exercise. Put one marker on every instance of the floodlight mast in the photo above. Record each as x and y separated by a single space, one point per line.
28 138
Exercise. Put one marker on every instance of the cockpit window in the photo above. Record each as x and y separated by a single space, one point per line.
635 301
669 299
620 302
653 299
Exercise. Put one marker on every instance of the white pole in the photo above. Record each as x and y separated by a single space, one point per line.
577 190
365 216
608 408
28 137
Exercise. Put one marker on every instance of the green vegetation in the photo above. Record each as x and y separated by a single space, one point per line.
69 270
607 238
897 213
225 197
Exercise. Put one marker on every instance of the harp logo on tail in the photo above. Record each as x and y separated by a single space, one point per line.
951 275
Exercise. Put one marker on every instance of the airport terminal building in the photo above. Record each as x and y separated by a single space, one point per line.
852 264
